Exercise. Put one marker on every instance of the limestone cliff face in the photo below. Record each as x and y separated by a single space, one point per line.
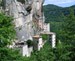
28 17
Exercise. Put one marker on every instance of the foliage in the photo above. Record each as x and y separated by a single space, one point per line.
47 53
44 36
29 43
7 54
63 27
53 13
0 2
7 32
64 51
68 30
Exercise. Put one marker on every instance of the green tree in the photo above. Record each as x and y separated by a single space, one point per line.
68 32
62 52
7 35
7 32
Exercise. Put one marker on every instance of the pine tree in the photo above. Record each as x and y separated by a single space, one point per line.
68 33
69 28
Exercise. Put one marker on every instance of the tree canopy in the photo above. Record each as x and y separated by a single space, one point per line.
7 32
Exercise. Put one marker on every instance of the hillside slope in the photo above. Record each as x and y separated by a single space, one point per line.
54 13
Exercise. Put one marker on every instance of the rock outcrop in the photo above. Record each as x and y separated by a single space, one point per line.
29 23
28 17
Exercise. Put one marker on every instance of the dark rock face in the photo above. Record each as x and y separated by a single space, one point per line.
22 1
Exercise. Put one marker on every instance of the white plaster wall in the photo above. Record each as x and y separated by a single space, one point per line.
1 9
30 50
53 41
47 27
40 44
25 51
